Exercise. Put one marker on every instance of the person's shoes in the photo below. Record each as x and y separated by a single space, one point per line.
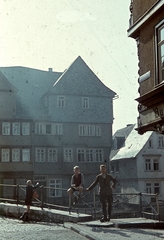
103 219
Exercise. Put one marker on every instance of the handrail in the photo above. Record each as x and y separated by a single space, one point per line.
119 196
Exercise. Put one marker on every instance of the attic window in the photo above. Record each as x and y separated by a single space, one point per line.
85 102
61 101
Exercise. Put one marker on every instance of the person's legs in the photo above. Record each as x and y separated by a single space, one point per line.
103 203
109 200
70 193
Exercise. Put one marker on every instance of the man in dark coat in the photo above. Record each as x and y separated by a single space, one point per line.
106 183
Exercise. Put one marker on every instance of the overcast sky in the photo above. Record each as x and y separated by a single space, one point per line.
53 33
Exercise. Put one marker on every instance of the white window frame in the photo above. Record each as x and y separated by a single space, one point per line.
55 187
90 154
89 130
52 155
81 155
15 155
85 102
68 154
159 43
25 129
15 128
25 155
61 101
6 128
40 154
40 128
5 155
58 129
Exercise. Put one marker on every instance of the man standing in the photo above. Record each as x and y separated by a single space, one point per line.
77 183
106 183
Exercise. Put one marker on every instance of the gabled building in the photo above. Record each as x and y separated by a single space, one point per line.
138 161
147 28
61 120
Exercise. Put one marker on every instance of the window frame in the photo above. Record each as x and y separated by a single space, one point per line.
41 154
5 152
54 184
68 154
158 44
26 152
6 128
15 155
53 157
85 102
61 101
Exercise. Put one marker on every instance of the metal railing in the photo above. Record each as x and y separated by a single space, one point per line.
140 203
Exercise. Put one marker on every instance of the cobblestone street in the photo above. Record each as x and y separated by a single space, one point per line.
14 229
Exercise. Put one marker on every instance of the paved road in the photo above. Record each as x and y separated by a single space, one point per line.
13 229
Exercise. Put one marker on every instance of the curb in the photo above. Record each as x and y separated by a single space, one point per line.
80 232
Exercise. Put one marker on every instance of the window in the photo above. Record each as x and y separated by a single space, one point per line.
160 142
55 185
5 155
48 128
15 155
68 155
148 188
89 130
40 155
39 128
25 155
61 101
16 129
156 188
90 155
81 155
155 164
152 164
5 128
25 128
153 188
85 102
147 164
150 143
160 52
99 155
58 129
52 155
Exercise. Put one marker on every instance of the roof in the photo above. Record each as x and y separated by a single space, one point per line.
133 145
79 79
31 84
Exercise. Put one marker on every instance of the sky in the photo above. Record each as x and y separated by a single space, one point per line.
44 34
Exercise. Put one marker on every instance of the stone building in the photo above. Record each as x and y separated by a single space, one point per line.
50 122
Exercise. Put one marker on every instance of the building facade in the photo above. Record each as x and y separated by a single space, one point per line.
52 122
147 28
137 161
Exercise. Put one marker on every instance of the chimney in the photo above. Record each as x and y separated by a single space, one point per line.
50 69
